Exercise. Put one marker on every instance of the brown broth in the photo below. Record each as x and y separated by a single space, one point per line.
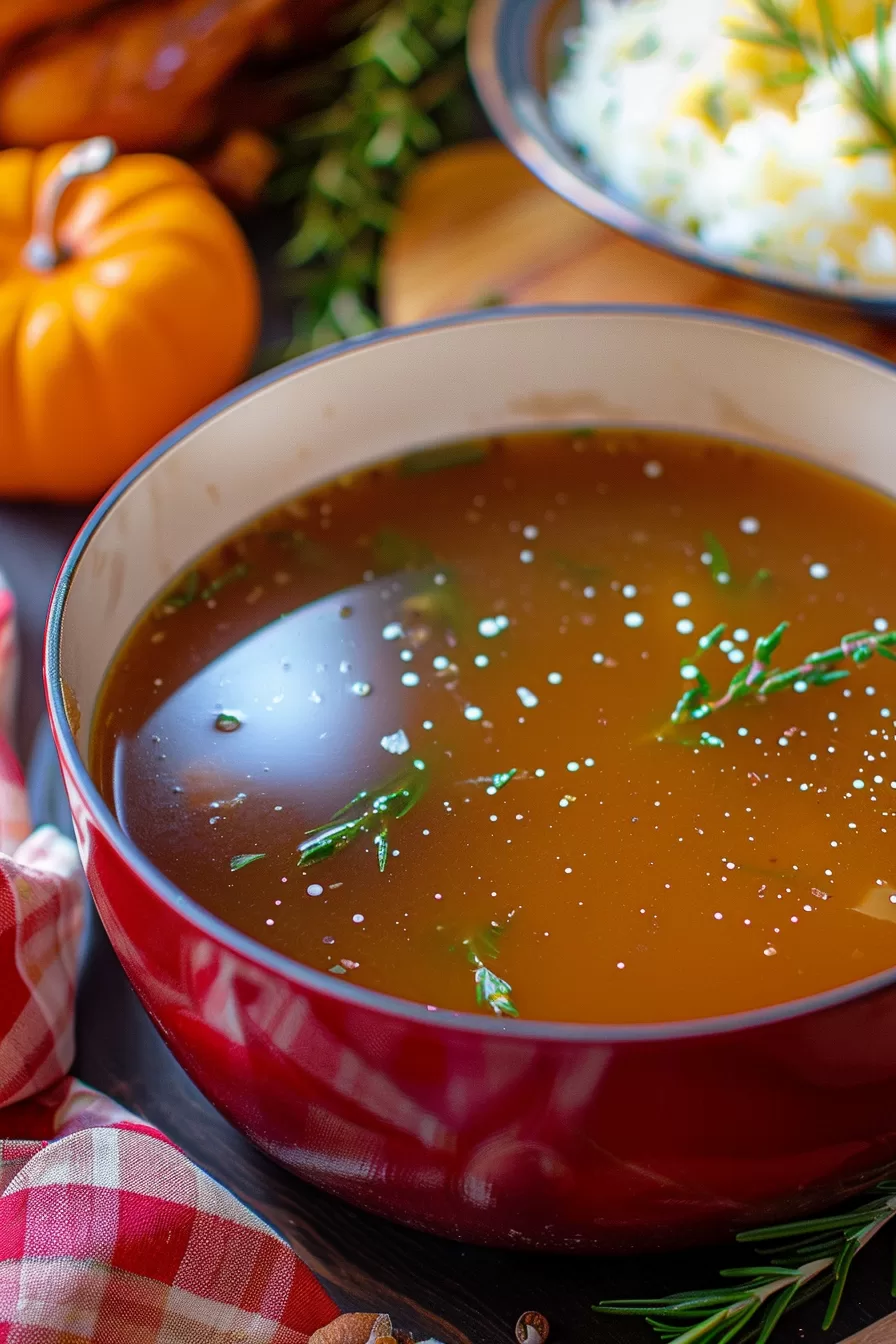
615 877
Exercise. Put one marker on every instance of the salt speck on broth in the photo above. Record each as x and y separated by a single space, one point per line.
397 743
633 619
681 599
653 469
749 525
817 570
527 698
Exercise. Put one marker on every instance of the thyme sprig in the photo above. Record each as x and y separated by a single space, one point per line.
386 98
869 89
491 991
804 1258
758 678
374 810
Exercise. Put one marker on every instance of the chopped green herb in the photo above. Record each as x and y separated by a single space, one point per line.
443 456
491 301
243 860
710 740
719 566
586 572
759 679
491 990
238 571
392 551
377 807
501 778
177 601
714 107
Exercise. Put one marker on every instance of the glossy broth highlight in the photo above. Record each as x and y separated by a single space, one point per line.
421 630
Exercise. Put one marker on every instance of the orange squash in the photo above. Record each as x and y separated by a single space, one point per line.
128 300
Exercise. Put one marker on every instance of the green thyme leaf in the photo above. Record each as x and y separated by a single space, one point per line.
501 778
392 551
719 565
443 456
243 860
375 809
177 601
238 571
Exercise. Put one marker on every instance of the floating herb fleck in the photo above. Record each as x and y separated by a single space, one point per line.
491 990
183 597
392 551
759 678
719 566
243 860
442 456
501 778
238 571
375 809
805 1257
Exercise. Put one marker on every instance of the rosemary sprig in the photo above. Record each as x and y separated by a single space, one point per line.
868 89
243 860
491 990
805 1257
758 678
386 98
374 809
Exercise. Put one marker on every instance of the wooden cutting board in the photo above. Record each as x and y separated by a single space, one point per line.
476 227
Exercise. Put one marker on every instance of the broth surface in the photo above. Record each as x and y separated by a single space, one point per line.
420 630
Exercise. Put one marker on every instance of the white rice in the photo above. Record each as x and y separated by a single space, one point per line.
775 185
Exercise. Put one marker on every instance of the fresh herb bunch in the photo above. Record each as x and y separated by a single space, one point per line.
388 97
804 1258
868 89
758 678
374 809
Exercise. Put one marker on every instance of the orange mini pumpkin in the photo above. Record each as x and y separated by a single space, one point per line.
128 300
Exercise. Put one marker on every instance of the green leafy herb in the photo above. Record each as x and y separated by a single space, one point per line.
392 551
238 571
491 990
386 98
719 565
714 107
177 601
804 1258
373 810
444 455
868 89
243 860
501 778
758 678
494 300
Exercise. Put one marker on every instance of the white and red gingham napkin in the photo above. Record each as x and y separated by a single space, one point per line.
108 1233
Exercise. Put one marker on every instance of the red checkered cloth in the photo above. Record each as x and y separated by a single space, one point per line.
107 1233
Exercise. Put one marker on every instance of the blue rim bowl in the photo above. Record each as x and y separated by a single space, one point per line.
513 45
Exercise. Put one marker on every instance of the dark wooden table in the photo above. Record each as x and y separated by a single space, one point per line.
461 1295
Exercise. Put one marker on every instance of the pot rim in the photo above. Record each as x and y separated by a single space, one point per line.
499 45
320 982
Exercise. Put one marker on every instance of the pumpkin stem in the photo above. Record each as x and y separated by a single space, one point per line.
42 251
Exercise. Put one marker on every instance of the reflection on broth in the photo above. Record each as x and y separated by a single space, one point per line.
517 727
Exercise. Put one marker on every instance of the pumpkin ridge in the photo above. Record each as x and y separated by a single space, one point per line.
119 211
